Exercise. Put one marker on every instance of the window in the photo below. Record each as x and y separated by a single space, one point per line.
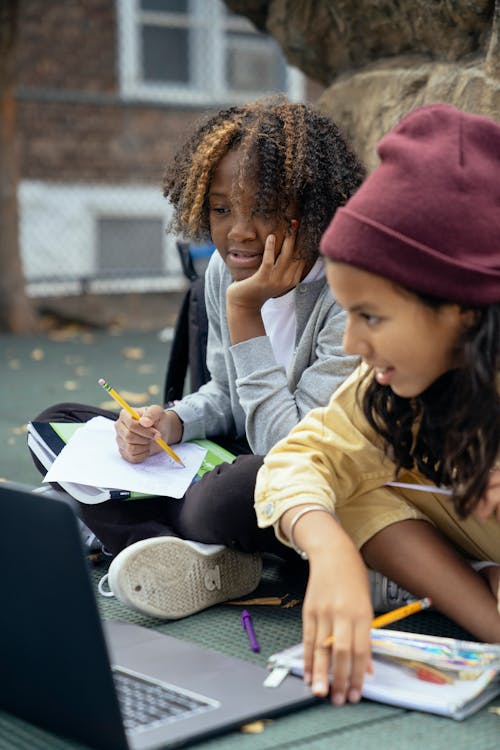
131 247
102 238
197 52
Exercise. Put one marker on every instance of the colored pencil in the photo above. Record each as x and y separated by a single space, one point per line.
424 671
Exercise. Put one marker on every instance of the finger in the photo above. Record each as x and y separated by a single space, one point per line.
320 680
308 640
134 432
342 657
131 457
269 254
322 662
287 252
151 415
361 662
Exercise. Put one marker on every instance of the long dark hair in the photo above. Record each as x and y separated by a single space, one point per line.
451 432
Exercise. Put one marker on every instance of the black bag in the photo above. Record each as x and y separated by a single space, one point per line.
189 345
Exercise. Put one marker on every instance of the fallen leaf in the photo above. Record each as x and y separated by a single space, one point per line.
20 430
14 364
135 398
109 405
71 385
146 369
37 354
255 727
64 334
133 352
494 710
153 390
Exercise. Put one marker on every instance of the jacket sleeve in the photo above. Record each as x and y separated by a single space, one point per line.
327 459
272 405
209 411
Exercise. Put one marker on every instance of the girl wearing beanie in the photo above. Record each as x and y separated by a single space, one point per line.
414 258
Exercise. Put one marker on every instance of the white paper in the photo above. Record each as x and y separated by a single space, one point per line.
421 487
92 457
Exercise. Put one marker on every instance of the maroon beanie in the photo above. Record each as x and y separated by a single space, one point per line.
428 217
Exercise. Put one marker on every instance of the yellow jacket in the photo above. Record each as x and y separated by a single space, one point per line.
334 458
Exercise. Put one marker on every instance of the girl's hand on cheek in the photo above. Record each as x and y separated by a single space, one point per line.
279 272
337 603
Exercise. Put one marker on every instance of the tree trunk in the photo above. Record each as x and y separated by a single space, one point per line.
16 311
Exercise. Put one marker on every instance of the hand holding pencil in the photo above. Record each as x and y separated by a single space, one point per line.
134 439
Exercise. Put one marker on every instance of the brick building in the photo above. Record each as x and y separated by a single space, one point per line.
105 90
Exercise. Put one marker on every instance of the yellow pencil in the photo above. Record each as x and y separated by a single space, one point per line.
396 614
114 394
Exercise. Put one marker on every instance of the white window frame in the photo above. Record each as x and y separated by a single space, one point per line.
209 17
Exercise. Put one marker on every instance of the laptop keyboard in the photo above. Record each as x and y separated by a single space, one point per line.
147 703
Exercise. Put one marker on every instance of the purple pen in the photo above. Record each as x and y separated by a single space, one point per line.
246 621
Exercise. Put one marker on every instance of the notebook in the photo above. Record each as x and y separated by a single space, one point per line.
48 439
444 676
59 660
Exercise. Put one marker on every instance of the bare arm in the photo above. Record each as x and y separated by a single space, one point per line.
337 603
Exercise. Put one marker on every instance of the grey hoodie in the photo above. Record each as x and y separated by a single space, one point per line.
249 392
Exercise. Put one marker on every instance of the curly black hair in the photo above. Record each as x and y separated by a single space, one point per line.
451 432
296 153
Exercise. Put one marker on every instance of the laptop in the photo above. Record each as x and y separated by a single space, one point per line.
65 670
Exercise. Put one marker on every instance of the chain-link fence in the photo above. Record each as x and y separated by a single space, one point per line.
98 125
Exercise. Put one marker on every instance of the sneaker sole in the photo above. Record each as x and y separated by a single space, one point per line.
169 579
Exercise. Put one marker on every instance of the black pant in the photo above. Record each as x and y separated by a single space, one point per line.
217 509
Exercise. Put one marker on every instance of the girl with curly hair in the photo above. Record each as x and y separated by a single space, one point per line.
262 181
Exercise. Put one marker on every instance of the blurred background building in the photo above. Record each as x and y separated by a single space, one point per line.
105 91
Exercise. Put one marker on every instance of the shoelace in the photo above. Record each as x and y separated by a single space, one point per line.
100 587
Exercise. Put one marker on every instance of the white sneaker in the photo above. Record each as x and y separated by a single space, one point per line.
386 594
170 578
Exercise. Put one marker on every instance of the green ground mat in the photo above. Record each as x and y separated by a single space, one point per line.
367 725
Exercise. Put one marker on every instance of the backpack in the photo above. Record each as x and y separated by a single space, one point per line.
189 345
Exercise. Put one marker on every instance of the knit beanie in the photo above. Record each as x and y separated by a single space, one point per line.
428 217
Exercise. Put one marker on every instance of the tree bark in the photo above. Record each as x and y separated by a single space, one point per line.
16 311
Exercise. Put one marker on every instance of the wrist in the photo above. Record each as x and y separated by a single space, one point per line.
305 546
174 427
244 324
